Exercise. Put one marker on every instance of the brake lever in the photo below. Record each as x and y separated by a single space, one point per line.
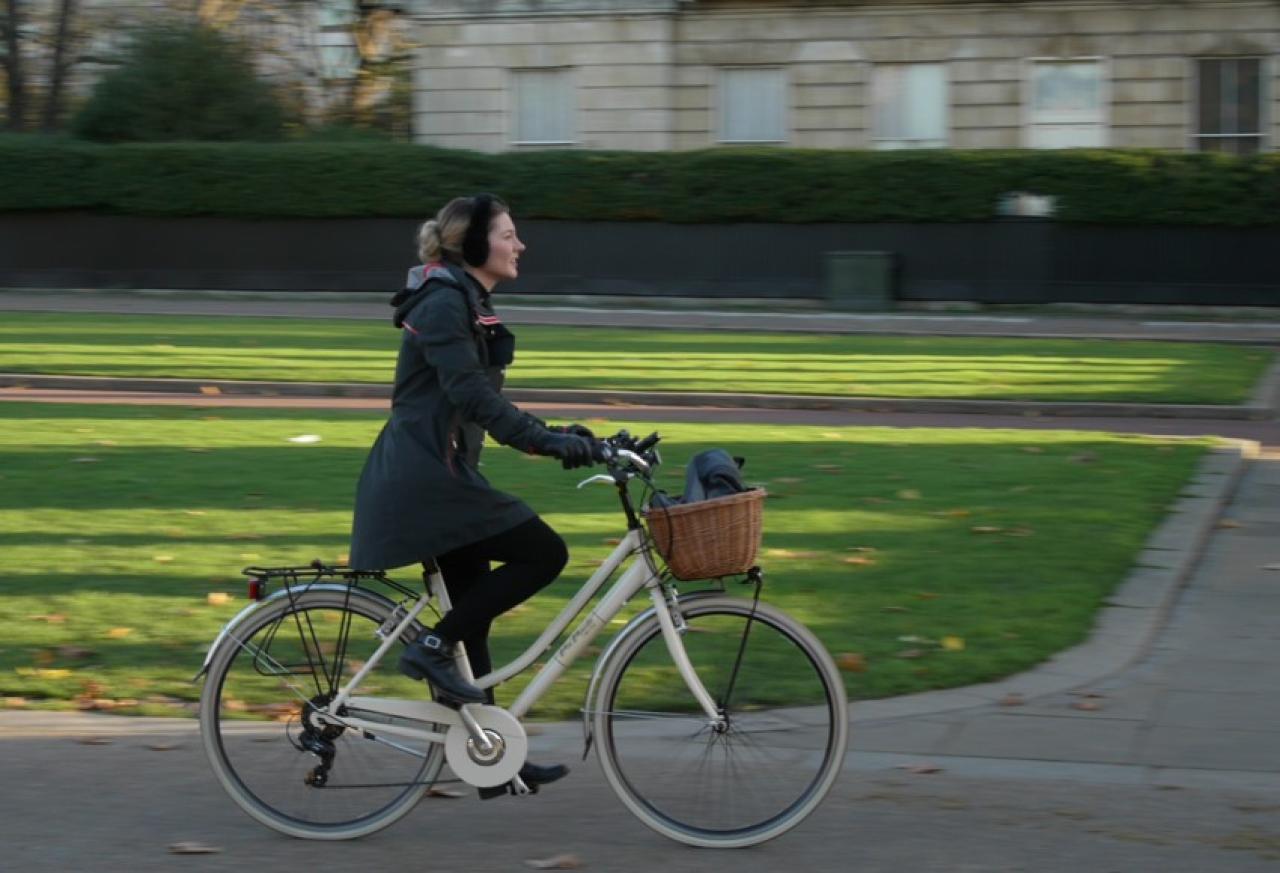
598 477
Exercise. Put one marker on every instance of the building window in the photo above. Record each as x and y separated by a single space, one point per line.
542 107
910 106
1229 105
753 105
1066 108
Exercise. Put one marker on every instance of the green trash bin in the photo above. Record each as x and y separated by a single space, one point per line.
860 281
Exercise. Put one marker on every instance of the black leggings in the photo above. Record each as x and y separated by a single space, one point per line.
532 556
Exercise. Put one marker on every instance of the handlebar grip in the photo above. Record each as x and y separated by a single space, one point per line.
601 452
647 443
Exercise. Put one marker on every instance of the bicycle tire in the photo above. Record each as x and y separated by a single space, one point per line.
261 765
770 675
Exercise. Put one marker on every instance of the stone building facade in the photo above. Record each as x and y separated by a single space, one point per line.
495 75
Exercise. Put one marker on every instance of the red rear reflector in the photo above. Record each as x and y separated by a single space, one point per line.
257 588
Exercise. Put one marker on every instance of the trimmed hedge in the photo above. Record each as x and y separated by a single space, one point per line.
322 180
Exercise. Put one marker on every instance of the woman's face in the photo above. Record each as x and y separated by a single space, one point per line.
504 252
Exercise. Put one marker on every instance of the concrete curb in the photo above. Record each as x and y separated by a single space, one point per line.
1263 404
1127 626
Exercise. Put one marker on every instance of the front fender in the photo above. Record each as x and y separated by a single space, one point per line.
249 610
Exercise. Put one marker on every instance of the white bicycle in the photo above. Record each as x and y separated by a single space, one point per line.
719 721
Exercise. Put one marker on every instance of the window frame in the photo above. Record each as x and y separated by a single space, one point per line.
1104 111
512 112
721 134
910 143
1195 137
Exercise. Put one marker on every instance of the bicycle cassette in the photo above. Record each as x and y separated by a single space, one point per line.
498 765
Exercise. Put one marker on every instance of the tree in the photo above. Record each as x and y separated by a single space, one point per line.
59 63
181 82
13 66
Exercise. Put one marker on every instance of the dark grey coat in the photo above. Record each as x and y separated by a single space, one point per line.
420 494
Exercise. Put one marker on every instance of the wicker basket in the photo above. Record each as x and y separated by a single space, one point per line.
710 538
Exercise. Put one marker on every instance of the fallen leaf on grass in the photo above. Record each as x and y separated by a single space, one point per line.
985 529
162 559
43 672
14 702
860 560
305 438
894 609
851 662
193 848
85 460
790 553
922 768
927 595
909 494
217 598
911 654
119 633
953 644
51 618
556 862
1033 450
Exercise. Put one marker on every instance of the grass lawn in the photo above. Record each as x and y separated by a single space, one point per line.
983 551
657 360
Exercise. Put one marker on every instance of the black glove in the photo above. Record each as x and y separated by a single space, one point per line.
576 429
572 450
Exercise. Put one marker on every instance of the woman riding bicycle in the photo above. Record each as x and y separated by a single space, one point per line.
420 495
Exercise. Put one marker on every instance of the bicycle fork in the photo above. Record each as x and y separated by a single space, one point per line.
667 609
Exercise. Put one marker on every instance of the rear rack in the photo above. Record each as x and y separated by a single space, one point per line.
260 578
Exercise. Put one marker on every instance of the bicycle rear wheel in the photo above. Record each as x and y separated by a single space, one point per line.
261 735
783 737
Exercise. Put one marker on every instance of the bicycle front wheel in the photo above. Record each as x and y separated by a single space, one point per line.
277 761
764 766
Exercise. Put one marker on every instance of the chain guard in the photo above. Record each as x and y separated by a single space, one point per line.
508 737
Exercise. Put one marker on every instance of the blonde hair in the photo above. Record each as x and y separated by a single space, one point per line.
440 238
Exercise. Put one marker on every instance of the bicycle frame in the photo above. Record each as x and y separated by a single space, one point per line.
641 574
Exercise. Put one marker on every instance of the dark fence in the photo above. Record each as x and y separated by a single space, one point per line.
1011 261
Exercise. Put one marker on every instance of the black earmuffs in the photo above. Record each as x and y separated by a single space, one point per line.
475 245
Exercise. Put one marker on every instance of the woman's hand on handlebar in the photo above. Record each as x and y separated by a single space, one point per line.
573 451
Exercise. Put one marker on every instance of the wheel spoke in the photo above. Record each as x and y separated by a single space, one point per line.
759 772
275 667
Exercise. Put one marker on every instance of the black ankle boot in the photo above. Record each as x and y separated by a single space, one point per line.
531 775
431 658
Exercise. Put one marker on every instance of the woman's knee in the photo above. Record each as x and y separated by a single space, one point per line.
553 554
